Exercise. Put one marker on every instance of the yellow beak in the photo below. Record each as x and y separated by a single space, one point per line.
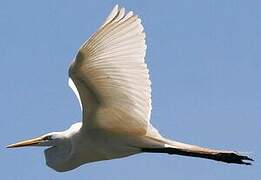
29 142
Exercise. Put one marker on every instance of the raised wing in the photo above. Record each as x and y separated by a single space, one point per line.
112 78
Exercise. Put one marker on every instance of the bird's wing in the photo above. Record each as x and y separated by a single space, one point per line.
111 76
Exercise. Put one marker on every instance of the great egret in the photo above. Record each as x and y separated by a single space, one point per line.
114 90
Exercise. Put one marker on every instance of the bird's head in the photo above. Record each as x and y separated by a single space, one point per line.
58 151
50 139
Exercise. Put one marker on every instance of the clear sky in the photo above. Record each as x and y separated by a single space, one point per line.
205 66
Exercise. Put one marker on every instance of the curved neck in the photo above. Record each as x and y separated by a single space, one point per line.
56 156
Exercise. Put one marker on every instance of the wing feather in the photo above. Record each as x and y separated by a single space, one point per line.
112 78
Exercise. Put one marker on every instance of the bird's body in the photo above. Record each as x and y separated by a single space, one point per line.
96 145
111 80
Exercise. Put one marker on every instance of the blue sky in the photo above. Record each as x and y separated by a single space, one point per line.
204 60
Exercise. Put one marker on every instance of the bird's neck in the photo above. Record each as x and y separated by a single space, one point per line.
56 156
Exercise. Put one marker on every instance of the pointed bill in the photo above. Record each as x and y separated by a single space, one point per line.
29 142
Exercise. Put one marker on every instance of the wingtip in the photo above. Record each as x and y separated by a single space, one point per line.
116 7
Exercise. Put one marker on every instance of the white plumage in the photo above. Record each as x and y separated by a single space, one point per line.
111 76
111 81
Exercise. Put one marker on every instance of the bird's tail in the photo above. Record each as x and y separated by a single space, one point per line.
173 147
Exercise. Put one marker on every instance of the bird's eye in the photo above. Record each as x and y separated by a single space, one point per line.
47 138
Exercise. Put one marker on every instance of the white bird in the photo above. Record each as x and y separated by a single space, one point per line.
114 90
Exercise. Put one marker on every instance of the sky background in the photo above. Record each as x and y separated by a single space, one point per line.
205 66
